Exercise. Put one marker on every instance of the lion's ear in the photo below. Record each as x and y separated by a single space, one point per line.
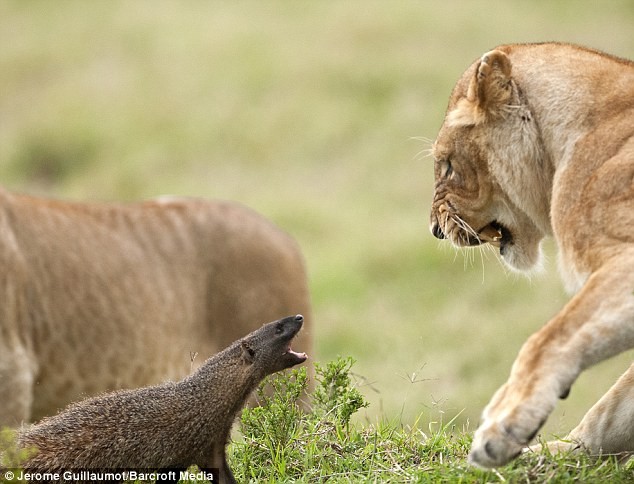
490 89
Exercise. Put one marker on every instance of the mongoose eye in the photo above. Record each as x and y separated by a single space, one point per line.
279 329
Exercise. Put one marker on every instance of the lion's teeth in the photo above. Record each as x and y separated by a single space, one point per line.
491 235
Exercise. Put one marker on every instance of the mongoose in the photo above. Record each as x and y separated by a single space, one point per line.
170 425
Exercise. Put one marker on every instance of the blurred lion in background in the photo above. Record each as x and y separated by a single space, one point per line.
97 297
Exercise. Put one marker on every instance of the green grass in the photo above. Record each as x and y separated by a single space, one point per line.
313 114
289 439
282 443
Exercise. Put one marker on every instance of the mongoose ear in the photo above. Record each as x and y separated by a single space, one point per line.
490 89
248 354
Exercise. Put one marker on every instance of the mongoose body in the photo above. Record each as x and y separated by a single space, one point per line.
171 425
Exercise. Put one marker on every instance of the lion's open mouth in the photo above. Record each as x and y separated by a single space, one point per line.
496 234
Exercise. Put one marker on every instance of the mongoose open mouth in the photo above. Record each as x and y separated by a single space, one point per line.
291 357
294 357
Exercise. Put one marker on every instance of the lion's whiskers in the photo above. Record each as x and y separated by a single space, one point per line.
425 152
465 228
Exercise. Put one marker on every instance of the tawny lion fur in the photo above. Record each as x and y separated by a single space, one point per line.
538 140
98 297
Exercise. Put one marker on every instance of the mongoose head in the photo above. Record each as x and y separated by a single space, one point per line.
268 349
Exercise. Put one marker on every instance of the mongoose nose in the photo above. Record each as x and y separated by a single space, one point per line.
299 318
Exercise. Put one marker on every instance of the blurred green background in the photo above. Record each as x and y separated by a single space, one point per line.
319 115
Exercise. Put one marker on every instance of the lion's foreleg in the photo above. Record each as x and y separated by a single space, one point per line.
608 427
596 324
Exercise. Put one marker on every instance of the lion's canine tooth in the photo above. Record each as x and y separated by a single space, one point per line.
491 235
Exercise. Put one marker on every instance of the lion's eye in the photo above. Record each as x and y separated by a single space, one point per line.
446 169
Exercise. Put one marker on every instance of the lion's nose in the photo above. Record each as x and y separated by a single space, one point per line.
436 230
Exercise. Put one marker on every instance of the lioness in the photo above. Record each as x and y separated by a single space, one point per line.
99 297
538 140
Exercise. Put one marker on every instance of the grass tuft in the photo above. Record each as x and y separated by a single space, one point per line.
283 442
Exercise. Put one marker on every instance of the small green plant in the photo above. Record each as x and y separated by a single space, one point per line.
281 440
278 417
11 458
335 392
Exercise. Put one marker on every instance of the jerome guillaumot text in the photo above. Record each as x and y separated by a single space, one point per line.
112 475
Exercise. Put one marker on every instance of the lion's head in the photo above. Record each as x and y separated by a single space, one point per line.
492 179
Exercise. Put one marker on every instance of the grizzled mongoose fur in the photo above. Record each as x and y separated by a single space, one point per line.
171 425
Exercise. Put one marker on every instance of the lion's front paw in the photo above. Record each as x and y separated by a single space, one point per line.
507 429
493 446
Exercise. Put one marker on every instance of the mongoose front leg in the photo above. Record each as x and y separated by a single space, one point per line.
226 476
219 461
